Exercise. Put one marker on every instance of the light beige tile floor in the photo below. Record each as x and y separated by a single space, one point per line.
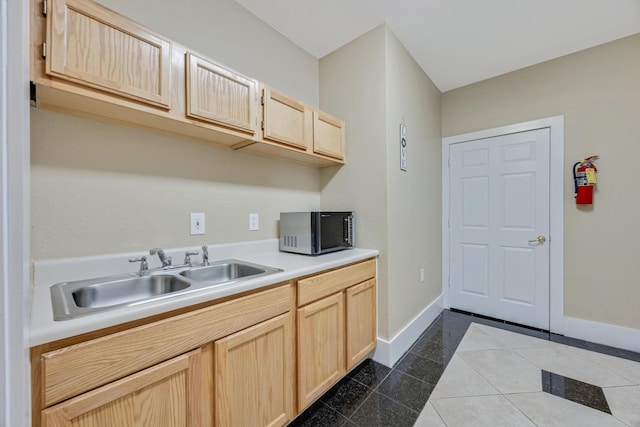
494 379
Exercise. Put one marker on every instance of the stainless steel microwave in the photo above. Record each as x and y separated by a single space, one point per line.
315 233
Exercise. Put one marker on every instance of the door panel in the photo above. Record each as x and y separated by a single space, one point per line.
475 271
499 201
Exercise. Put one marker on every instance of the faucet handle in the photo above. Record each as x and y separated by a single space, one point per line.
144 266
187 257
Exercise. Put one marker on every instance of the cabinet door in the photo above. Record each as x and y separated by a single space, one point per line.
255 375
163 395
286 120
328 135
93 46
361 321
220 96
320 347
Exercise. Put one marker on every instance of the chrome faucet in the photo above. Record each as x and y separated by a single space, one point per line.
205 255
144 266
187 257
165 260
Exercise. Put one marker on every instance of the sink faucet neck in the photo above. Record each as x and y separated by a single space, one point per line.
165 260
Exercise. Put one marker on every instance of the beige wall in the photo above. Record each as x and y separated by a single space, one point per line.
98 188
598 91
414 197
352 81
374 84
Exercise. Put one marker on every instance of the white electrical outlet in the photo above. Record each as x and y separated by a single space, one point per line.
254 222
197 223
422 274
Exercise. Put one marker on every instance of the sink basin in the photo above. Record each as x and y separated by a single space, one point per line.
83 297
124 291
226 271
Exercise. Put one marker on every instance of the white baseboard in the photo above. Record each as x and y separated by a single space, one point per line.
603 333
389 352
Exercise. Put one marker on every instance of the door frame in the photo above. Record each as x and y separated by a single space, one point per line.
556 208
15 390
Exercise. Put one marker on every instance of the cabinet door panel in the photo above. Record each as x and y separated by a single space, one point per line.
328 135
255 375
220 96
93 46
361 321
320 347
285 120
164 395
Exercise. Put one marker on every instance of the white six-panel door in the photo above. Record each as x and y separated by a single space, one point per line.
499 227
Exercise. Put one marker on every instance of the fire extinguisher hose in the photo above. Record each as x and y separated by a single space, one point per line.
575 178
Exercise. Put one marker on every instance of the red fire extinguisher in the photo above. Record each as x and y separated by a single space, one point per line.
584 178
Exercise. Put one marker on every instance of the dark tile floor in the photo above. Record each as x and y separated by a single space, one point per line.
373 395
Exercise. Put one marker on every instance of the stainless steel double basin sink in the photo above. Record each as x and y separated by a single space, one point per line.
83 297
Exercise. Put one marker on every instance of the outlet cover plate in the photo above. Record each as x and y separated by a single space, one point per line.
254 222
197 223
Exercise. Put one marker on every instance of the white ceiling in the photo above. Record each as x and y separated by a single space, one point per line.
457 42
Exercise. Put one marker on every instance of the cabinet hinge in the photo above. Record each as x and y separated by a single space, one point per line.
262 125
262 100
44 50
44 7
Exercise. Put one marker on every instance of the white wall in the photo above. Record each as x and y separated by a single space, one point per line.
100 188
597 90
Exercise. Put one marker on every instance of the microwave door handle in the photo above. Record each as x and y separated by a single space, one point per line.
350 230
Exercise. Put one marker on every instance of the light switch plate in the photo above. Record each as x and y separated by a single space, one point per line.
197 223
254 222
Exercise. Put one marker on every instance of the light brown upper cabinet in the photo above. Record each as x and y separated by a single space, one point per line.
93 46
328 135
220 96
286 120
90 61
295 131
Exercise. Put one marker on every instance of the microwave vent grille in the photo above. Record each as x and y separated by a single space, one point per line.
291 241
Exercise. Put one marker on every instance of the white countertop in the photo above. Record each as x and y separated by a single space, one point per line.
46 273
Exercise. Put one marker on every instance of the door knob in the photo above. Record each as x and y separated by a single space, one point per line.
539 239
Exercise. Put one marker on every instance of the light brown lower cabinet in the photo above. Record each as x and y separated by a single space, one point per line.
255 375
320 347
231 363
361 321
336 326
160 396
